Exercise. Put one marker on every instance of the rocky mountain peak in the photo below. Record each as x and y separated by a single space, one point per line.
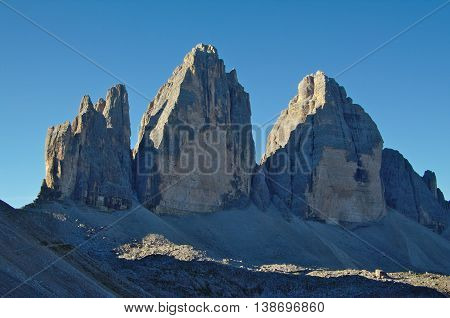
201 51
117 115
201 56
207 48
200 68
99 106
315 91
90 161
323 156
200 96
85 104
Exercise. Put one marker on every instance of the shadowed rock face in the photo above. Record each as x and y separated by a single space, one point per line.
89 159
323 156
410 194
429 177
195 151
6 207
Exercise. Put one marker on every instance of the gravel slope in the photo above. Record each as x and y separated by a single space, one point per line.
138 253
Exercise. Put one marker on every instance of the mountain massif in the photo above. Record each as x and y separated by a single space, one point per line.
324 158
190 199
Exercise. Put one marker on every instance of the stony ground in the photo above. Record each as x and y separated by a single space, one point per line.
146 256
440 283
279 279
161 276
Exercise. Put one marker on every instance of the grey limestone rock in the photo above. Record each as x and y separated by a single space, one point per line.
429 177
409 193
89 160
323 156
195 151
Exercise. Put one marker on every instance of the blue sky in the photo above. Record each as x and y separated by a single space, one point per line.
404 86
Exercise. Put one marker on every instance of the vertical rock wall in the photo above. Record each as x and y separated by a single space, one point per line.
89 160
195 149
323 156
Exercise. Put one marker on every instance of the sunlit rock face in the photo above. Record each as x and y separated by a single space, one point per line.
417 197
89 160
323 156
195 151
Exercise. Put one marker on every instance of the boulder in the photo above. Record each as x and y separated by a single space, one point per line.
195 151
89 160
323 156
380 274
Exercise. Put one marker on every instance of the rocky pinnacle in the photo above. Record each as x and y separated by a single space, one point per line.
195 150
89 160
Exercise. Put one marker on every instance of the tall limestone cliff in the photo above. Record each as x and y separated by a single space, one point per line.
417 197
195 151
89 160
323 157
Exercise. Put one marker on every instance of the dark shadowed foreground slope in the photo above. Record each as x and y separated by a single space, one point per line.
23 256
107 254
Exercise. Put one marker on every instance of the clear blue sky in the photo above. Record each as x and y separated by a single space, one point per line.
405 86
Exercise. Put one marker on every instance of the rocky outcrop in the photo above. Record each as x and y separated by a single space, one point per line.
410 194
429 177
89 160
323 156
442 201
195 150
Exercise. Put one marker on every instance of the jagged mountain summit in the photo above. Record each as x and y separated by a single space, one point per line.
195 150
323 157
89 160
